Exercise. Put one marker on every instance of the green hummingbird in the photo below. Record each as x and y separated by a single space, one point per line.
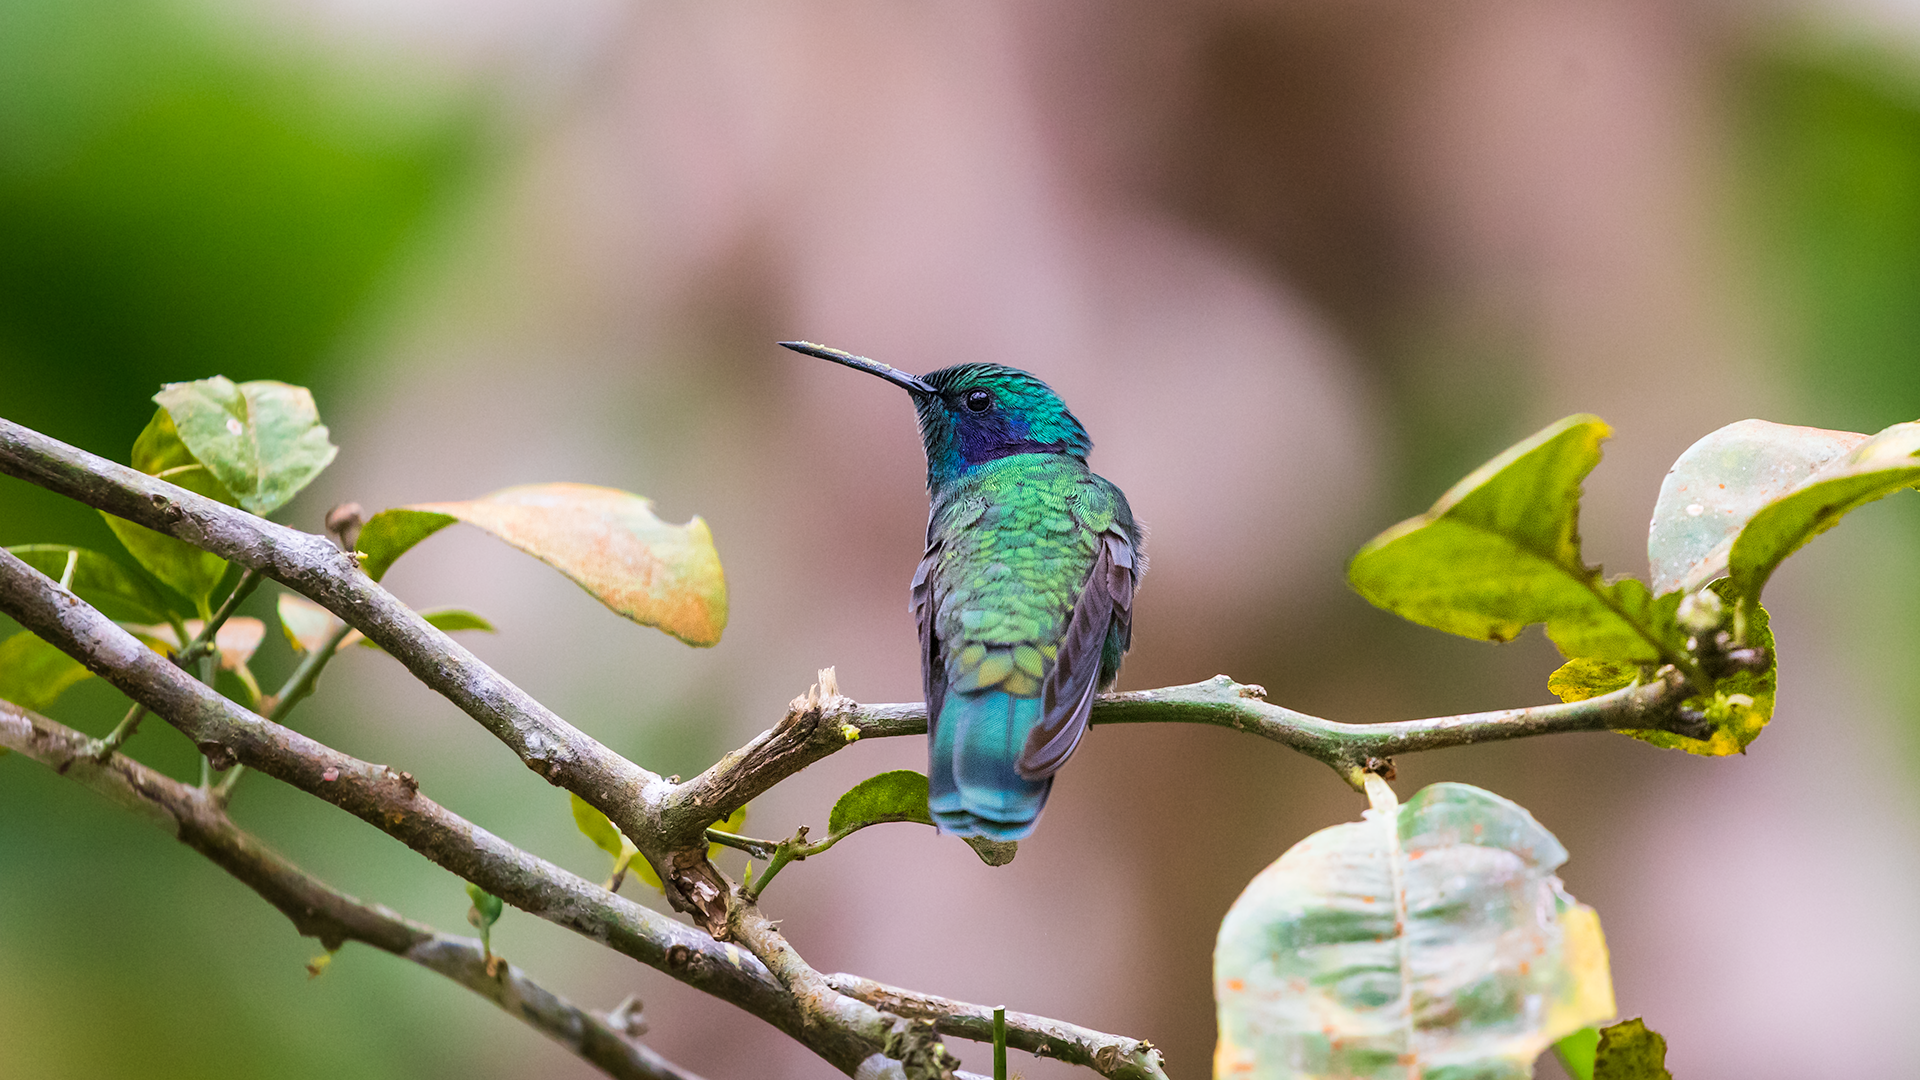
1024 598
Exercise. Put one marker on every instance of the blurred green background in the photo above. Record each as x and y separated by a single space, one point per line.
1302 266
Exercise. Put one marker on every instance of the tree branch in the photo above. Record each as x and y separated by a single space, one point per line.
313 566
1112 1056
394 804
823 721
315 908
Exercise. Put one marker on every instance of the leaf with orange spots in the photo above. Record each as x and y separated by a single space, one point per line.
607 541
1427 939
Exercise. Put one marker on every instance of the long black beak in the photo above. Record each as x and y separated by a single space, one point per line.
872 367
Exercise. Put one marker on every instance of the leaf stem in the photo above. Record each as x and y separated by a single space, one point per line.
102 749
999 1042
296 688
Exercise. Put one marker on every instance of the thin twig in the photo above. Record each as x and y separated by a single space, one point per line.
298 686
393 803
1112 1056
317 909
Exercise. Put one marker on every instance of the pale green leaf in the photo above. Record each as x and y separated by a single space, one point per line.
594 826
1874 469
1501 551
1717 486
608 542
33 674
120 594
487 907
263 440
1430 939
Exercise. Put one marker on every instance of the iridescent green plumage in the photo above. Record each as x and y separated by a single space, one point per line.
1024 596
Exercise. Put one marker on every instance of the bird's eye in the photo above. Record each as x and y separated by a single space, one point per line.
979 401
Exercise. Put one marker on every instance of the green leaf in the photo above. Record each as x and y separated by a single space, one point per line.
186 569
390 534
1737 708
1717 486
1876 468
1430 938
594 826
900 795
1578 680
487 909
33 674
1501 551
121 594
1629 1051
263 440
453 620
608 542
1576 1052
448 619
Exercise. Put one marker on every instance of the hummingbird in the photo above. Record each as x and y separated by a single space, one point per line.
1024 597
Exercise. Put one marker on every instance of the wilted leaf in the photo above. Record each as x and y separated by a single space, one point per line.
119 593
1629 1051
33 674
993 852
1876 468
1501 551
1576 1052
263 440
1578 680
1715 488
305 624
900 795
1429 939
609 542
236 639
1738 706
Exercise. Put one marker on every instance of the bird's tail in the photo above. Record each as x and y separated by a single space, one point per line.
973 789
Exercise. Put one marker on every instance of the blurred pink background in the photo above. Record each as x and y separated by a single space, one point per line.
1298 266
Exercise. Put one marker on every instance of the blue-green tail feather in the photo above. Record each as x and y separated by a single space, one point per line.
973 789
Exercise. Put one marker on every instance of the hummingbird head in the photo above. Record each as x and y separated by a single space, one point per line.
971 414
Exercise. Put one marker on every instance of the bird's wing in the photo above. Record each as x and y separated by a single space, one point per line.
1104 604
933 673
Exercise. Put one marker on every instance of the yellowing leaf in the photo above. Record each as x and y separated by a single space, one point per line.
306 625
608 542
1429 939
1578 680
236 639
